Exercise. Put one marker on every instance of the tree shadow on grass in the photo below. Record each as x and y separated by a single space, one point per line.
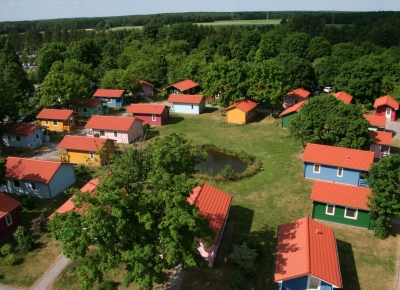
346 260
259 118
175 119
19 261
152 133
209 110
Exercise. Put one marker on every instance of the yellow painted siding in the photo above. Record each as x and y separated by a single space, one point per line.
251 116
235 116
61 125
76 156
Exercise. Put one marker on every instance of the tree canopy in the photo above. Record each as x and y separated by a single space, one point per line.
138 216
327 120
384 180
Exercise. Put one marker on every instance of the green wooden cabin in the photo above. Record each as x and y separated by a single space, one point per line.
289 113
186 87
341 203
90 107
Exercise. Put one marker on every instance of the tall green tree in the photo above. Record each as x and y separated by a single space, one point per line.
120 79
296 43
48 55
329 121
384 180
139 216
86 51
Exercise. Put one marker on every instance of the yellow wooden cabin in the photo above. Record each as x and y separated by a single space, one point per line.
86 150
241 112
57 120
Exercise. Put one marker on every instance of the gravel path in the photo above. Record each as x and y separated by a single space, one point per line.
52 273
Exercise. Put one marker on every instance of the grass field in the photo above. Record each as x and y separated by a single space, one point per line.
276 195
126 27
259 22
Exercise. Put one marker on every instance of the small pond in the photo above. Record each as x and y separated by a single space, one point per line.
216 161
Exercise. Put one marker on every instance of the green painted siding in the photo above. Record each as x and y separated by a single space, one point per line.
286 119
362 221
91 111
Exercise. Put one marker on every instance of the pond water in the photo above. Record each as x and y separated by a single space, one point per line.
216 161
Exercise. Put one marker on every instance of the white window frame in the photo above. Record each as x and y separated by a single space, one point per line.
8 220
348 217
16 138
33 184
308 282
153 117
109 100
388 110
46 122
104 133
337 173
326 209
55 123
91 155
319 168
115 134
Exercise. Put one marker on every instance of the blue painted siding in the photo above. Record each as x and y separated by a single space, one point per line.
188 108
299 283
115 102
325 286
64 178
26 141
42 189
329 173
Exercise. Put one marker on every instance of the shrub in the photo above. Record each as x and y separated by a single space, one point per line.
10 259
82 170
38 225
24 240
252 243
106 285
6 249
96 135
250 270
237 280
228 172
19 150
243 256
27 203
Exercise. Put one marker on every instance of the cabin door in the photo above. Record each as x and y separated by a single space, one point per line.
388 113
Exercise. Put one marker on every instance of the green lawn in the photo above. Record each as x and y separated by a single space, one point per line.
259 22
276 195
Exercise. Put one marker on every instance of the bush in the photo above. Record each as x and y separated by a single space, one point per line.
38 225
252 243
10 259
228 172
96 135
19 150
237 280
250 270
27 203
106 285
82 171
6 249
243 256
24 240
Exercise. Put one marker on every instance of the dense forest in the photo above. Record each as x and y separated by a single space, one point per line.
361 56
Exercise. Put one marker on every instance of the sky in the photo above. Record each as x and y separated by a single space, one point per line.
16 10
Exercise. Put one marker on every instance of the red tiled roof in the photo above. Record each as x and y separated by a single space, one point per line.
108 93
143 82
111 123
243 105
344 97
213 204
183 85
7 204
338 156
307 247
91 103
187 99
31 169
378 121
69 204
381 138
82 143
300 93
54 114
386 100
20 129
294 108
341 194
156 109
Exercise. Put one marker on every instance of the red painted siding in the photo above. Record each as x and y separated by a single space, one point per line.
381 111
16 221
160 119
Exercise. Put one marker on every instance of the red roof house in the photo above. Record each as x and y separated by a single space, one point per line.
341 203
9 215
381 143
112 98
38 178
57 120
152 114
290 112
376 122
22 135
386 106
295 96
147 88
121 129
306 256
187 104
185 87
241 112
213 204
343 96
330 163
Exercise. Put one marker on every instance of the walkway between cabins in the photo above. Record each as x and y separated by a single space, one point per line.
394 127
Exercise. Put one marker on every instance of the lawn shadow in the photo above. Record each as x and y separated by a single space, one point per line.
209 110
347 261
259 118
19 261
175 119
150 134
